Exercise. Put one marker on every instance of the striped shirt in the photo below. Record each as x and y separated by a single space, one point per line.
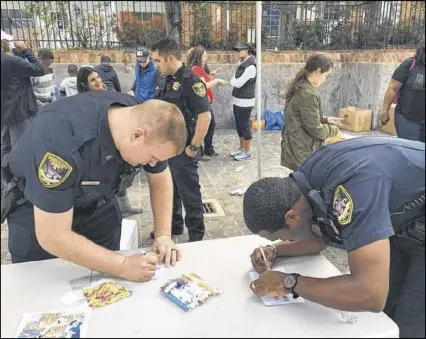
44 86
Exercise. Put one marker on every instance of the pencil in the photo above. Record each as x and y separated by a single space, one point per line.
263 255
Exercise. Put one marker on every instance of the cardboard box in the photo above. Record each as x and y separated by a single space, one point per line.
253 123
356 119
339 137
390 126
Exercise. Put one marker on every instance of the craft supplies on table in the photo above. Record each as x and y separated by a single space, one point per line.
189 291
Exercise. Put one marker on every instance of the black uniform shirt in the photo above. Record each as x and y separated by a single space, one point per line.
185 90
67 155
364 180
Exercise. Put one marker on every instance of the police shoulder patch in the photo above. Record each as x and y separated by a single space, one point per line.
199 89
342 205
53 170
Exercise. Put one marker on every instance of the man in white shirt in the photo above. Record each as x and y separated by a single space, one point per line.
68 86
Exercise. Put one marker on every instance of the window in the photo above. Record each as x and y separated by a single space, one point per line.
270 20
14 18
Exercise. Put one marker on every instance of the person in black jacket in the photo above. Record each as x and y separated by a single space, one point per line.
18 102
108 74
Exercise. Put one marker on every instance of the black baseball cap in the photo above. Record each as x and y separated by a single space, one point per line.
239 46
142 54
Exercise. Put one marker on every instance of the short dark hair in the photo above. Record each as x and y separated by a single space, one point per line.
166 47
105 59
267 201
72 69
45 54
82 79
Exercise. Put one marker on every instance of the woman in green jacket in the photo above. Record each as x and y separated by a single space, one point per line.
305 127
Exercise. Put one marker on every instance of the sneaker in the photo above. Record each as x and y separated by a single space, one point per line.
205 158
237 152
243 156
211 154
126 209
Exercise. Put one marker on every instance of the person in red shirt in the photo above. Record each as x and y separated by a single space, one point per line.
197 58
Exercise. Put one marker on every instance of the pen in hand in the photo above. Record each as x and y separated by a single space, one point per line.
264 256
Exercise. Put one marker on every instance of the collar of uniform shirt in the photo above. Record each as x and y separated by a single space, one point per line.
108 149
180 70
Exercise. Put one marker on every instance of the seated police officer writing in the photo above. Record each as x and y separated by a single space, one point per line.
71 162
365 195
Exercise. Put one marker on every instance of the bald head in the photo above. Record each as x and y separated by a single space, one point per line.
165 119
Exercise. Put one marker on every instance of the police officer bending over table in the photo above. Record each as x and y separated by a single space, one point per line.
181 87
71 161
366 196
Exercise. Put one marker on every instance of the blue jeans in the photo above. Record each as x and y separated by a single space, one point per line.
409 129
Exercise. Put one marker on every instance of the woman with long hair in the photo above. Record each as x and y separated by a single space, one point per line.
89 80
243 97
197 59
305 127
408 82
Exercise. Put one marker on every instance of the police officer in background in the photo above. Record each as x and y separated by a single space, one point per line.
366 196
66 169
181 87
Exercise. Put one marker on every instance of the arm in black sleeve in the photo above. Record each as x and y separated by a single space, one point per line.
32 68
117 84
402 72
196 96
134 86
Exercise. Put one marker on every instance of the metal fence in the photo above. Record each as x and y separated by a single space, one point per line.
301 25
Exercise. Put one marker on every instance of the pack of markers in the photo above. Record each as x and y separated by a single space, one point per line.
189 291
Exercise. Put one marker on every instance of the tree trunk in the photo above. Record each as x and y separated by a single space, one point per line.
173 19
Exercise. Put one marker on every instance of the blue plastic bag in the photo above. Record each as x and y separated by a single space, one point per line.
274 121
269 117
279 121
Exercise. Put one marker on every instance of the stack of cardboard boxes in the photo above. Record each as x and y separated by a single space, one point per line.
353 119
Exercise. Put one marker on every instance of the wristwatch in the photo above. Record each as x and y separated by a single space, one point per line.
290 282
194 148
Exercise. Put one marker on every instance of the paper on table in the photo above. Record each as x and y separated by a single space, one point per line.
66 323
275 301
163 272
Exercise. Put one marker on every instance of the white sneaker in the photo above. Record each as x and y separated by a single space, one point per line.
243 156
235 153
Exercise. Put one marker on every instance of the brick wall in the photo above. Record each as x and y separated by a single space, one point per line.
229 57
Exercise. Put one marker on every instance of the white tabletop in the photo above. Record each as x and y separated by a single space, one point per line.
224 263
